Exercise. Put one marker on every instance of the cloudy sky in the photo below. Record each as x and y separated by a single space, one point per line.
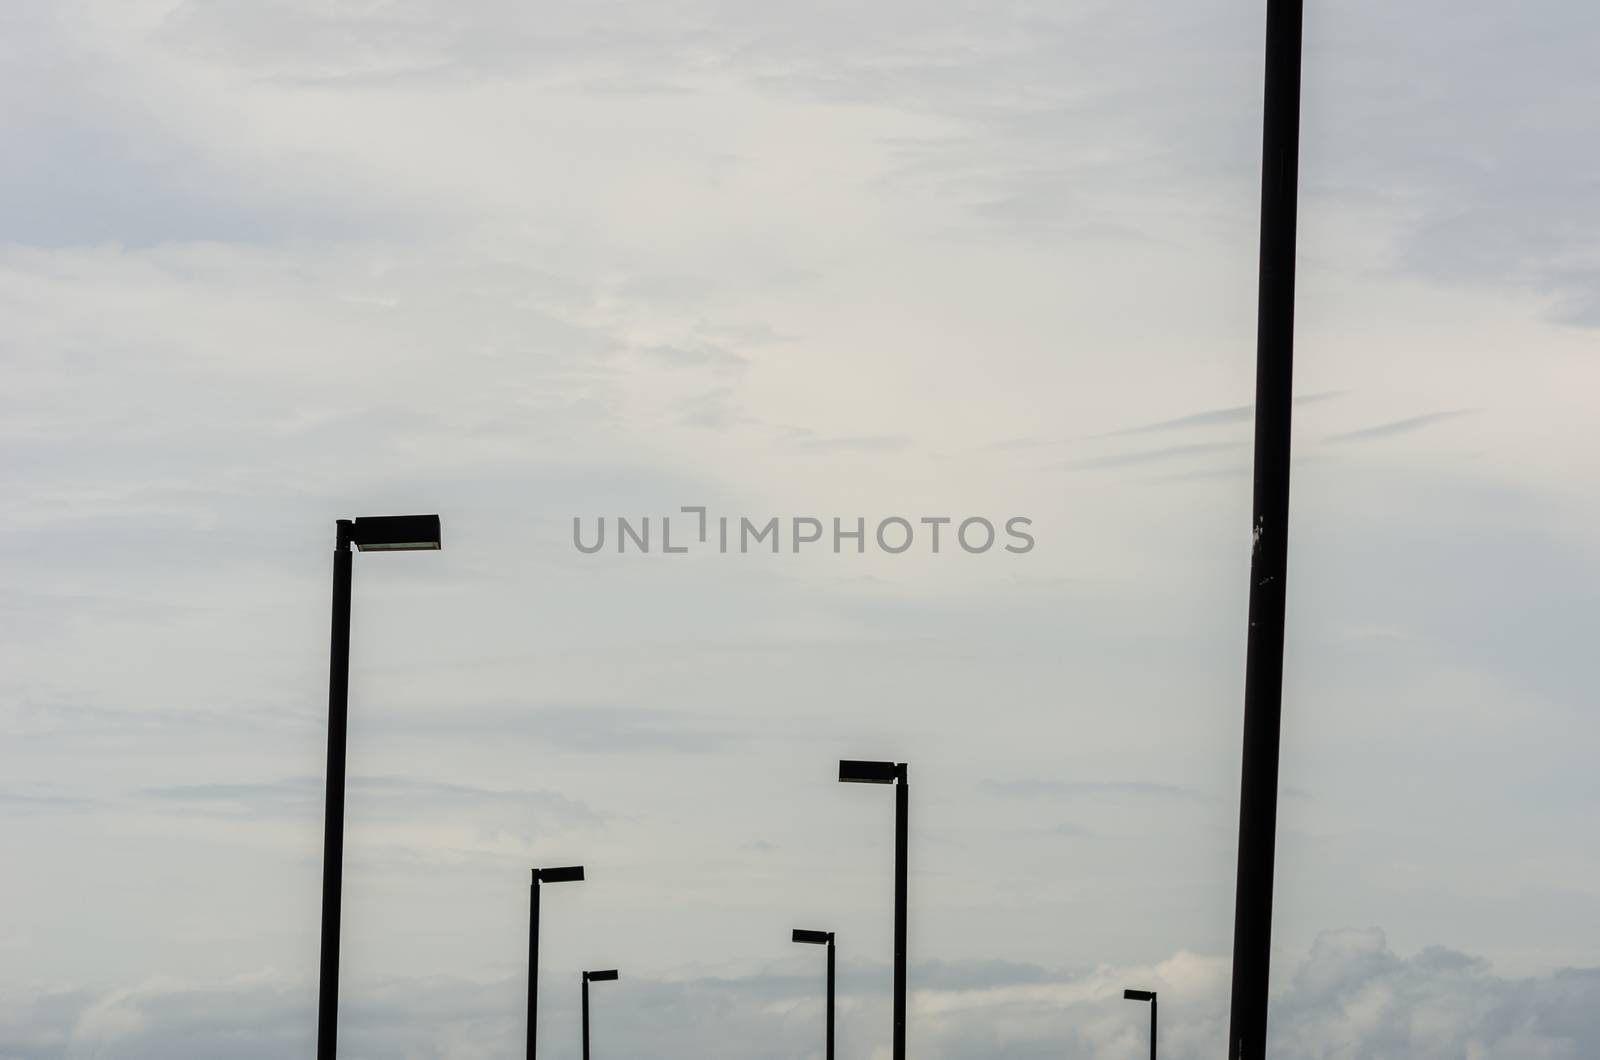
266 265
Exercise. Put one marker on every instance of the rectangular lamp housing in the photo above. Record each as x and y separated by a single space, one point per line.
396 533
856 772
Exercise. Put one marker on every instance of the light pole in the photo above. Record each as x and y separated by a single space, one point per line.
592 977
1269 531
384 533
1150 996
854 772
822 938
571 874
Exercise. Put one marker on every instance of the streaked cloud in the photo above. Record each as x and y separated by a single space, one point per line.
1152 456
1061 789
389 796
1405 426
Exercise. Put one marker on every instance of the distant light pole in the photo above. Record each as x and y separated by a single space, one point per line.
570 874
1150 996
853 772
592 977
822 938
385 533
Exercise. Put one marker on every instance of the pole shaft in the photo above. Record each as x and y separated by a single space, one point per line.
901 812
333 820
1152 1029
830 999
533 966
586 1018
1263 692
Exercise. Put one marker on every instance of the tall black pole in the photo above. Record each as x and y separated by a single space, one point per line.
533 962
333 820
901 812
1263 683
830 996
585 1016
1152 1028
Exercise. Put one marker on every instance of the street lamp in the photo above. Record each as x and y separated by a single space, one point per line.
1150 996
606 976
570 874
385 533
822 938
853 772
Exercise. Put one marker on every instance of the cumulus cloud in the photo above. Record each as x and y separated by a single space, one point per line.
1351 998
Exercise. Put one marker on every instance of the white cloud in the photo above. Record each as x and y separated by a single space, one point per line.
1351 998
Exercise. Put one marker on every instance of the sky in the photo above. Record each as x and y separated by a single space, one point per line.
265 266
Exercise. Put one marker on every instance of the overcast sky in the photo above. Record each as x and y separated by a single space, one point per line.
267 265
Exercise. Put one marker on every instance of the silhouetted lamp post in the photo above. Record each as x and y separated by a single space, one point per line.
1150 996
592 977
570 874
1269 534
822 938
386 533
851 772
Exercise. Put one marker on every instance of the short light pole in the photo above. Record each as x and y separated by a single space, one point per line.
822 938
570 874
605 976
855 772
385 533
1150 996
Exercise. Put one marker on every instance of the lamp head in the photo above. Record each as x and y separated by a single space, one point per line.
569 874
821 938
1138 995
396 533
603 976
852 771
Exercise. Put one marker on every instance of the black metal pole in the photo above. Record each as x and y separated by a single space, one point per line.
1263 684
830 996
1152 1029
901 812
333 820
586 1015
533 962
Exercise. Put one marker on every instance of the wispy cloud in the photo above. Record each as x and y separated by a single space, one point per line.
586 729
1023 442
703 355
20 803
1209 418
856 443
1204 475
1151 456
1215 417
716 410
1060 789
1405 426
391 796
